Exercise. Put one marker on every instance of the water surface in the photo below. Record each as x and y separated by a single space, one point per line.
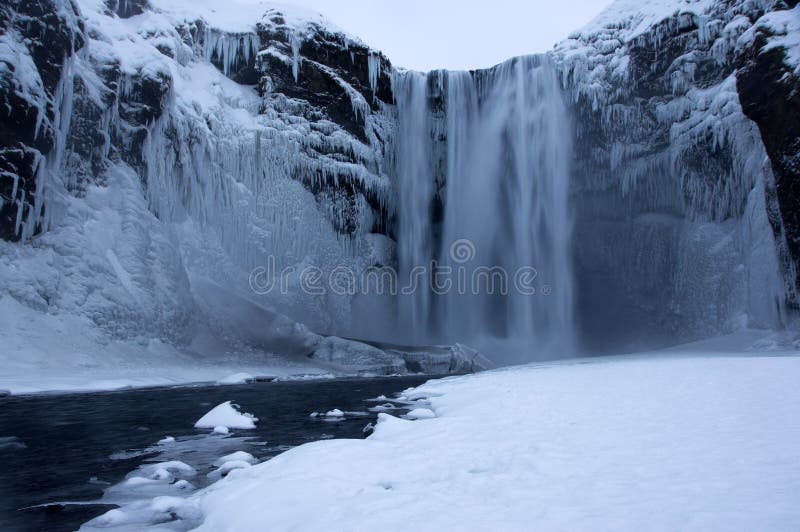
70 448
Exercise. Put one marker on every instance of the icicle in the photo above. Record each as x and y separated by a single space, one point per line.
374 65
15 186
229 48
296 43
47 168
20 209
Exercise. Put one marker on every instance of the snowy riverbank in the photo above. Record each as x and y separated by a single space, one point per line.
42 352
672 442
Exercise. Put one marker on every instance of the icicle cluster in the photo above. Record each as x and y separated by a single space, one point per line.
230 50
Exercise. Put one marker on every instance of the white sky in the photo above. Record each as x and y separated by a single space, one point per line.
453 34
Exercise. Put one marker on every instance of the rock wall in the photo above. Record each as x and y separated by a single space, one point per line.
145 152
682 215
37 43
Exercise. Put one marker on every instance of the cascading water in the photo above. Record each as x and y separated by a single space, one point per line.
504 237
413 164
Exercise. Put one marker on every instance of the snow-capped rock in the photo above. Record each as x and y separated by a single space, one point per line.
227 416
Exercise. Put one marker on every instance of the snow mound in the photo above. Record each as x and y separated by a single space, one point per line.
238 456
421 413
227 467
226 415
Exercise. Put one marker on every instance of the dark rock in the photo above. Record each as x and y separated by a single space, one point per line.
50 32
769 91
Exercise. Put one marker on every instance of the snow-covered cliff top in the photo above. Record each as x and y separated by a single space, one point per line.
241 16
631 18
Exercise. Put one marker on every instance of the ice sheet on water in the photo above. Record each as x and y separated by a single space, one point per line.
384 407
152 496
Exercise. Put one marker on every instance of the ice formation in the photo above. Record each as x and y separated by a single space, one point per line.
173 180
177 149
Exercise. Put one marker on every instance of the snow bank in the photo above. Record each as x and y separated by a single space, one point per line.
236 378
678 442
421 413
226 415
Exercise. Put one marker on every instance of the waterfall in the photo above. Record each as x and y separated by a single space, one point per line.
415 171
502 178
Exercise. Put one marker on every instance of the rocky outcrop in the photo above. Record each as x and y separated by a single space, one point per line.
329 78
769 90
672 184
37 43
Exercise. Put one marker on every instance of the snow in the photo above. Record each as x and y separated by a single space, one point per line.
238 456
783 30
240 16
227 467
420 413
226 415
688 441
636 17
44 352
237 378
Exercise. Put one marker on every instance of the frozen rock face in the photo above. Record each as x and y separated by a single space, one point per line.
768 79
682 215
37 43
340 87
154 153
684 221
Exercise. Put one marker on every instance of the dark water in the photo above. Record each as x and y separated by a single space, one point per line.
69 448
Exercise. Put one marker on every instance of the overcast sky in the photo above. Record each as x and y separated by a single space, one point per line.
457 34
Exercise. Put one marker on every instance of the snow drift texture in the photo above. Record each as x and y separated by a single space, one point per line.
153 153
